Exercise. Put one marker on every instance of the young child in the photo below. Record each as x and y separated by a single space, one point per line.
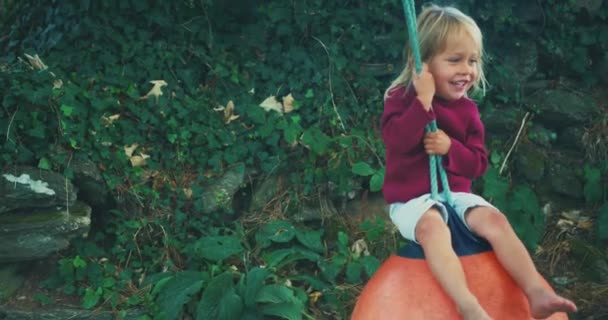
451 49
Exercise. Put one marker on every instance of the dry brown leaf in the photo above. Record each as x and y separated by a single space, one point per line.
187 192
57 84
229 113
271 103
139 160
36 62
109 120
288 101
314 296
156 90
129 149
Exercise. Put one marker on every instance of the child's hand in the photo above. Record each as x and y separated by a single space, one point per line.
437 142
425 86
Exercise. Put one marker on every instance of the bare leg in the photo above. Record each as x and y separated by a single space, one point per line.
434 236
512 254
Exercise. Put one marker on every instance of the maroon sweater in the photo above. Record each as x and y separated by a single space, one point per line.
407 165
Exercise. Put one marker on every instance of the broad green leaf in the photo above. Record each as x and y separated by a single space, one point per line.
220 300
311 239
275 293
280 231
353 272
362 169
177 291
254 281
280 257
218 248
286 310
157 281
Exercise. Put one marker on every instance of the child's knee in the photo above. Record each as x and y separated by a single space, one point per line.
431 223
489 223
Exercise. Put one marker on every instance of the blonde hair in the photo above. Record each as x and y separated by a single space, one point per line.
436 26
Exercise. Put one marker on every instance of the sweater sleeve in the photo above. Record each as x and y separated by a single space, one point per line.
468 158
403 121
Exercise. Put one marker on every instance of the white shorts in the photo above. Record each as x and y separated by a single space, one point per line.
406 215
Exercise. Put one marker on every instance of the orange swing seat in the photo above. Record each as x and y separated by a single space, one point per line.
404 288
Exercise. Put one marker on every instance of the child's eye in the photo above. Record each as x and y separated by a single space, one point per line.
473 61
453 60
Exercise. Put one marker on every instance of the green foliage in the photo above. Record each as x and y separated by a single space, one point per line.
519 204
223 299
592 190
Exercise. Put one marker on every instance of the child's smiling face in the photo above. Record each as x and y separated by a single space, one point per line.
455 69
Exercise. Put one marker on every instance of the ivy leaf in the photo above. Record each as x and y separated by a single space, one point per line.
375 183
495 187
353 272
370 264
362 169
67 110
44 164
316 140
91 297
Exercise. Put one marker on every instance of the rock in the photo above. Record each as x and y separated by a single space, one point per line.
219 195
10 281
571 137
530 162
503 121
264 193
58 313
91 187
34 188
37 233
564 181
559 108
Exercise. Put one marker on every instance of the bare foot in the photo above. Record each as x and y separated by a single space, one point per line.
474 312
544 303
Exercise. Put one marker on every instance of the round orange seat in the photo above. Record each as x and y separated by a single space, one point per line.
404 287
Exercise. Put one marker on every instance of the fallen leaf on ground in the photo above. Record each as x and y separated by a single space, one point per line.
271 103
156 90
288 101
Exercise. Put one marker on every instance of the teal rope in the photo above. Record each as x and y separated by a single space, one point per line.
435 160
